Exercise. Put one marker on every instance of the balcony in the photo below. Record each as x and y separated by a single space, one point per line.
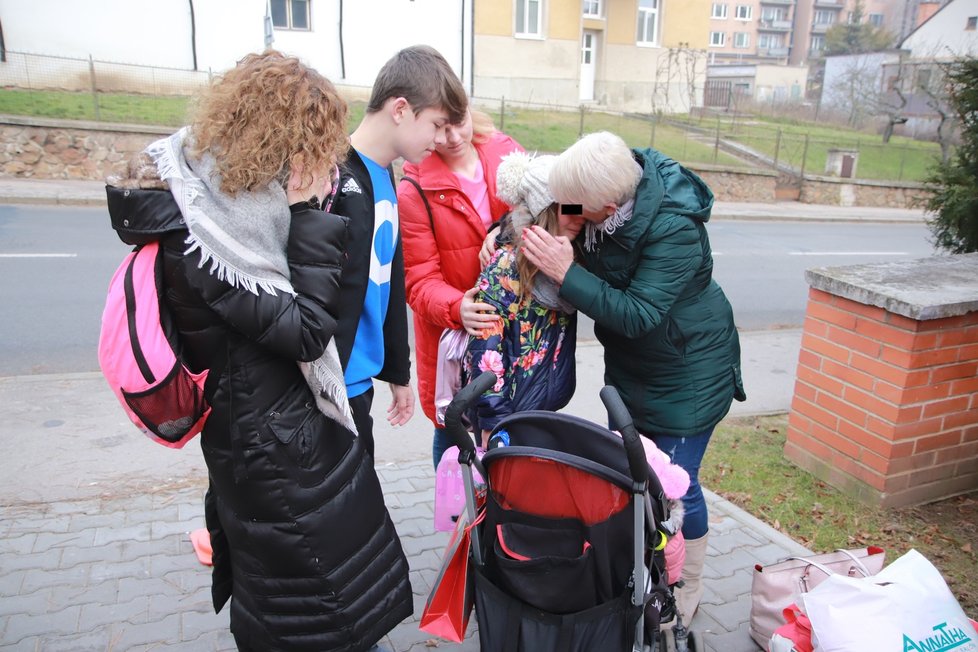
821 28
778 2
774 25
827 4
773 53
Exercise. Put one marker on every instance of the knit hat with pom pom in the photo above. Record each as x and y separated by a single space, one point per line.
522 179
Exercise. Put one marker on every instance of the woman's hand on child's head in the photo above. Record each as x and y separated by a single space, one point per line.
488 246
475 315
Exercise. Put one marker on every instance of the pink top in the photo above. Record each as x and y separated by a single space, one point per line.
478 192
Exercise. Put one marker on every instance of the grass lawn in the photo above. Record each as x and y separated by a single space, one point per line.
901 159
553 131
744 464
113 107
545 130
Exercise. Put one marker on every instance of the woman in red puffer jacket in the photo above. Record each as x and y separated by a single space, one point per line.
441 248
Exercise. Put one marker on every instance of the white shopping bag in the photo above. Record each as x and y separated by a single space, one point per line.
906 607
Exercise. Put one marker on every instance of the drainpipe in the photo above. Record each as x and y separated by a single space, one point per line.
342 57
472 48
193 33
461 45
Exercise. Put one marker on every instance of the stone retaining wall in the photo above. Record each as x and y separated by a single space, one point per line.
53 149
732 184
851 192
58 149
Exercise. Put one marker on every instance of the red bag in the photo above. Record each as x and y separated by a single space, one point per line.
446 613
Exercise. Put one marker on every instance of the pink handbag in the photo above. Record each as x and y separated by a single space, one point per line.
775 587
450 489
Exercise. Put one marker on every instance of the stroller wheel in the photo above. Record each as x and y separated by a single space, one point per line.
669 643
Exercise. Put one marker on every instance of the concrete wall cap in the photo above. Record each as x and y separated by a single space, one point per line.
921 289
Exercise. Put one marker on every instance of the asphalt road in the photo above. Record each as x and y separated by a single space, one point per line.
56 262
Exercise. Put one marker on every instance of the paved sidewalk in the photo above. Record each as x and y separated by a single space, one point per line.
95 520
118 571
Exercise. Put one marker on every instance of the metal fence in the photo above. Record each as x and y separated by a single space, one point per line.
63 87
91 89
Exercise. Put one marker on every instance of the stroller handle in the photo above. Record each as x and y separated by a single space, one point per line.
463 399
620 419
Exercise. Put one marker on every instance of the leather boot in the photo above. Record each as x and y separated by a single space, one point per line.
688 597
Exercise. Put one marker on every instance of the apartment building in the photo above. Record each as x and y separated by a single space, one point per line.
790 31
636 55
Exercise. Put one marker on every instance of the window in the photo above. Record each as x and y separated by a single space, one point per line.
923 79
718 39
743 12
876 20
741 40
290 14
818 43
769 41
972 24
592 8
648 22
772 14
528 17
823 17
719 10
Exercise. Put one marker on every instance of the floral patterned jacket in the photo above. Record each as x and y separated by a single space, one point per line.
531 351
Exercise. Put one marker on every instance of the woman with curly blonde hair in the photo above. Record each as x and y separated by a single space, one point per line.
264 113
303 545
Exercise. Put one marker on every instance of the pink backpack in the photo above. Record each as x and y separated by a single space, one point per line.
139 354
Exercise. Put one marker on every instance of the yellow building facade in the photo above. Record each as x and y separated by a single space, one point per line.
629 55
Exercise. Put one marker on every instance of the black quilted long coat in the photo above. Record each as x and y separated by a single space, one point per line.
303 544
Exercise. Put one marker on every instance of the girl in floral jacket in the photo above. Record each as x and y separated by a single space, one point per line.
531 349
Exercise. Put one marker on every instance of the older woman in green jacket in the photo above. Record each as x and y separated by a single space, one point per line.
645 275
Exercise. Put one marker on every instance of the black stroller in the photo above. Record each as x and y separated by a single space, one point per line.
568 555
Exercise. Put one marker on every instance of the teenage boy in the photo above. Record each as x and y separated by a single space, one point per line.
415 97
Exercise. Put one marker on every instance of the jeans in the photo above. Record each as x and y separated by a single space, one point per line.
439 444
688 452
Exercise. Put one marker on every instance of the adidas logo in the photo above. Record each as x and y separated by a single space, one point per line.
351 185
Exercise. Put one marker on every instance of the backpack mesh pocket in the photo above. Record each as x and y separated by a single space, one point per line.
170 408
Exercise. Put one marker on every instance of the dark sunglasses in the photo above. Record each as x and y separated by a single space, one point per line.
572 209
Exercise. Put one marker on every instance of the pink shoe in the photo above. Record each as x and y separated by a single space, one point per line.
201 540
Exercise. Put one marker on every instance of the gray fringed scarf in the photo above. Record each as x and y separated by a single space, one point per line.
244 238
594 232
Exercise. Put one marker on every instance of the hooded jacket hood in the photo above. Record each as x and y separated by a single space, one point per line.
674 189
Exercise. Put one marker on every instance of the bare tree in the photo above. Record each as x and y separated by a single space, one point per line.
675 78
855 90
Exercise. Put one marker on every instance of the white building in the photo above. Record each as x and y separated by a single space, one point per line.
346 41
951 32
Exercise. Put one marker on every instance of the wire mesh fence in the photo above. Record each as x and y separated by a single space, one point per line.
89 89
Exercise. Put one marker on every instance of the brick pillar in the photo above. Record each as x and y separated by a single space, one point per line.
886 396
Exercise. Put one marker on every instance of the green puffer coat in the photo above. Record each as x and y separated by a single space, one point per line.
671 347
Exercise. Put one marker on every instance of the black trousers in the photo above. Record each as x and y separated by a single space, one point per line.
360 405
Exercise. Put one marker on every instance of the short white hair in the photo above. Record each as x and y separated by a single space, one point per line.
598 169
